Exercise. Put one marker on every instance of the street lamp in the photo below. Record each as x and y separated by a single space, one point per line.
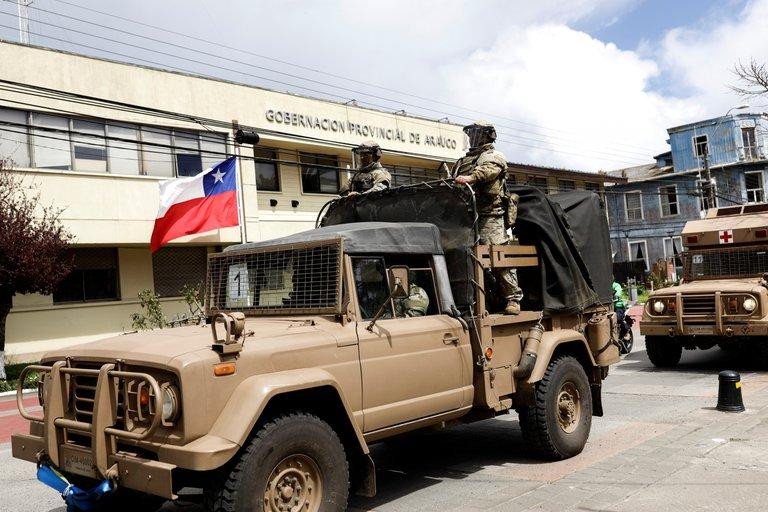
707 190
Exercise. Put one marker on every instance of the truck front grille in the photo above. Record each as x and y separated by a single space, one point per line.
699 305
84 394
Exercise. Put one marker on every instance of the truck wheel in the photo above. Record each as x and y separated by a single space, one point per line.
663 352
294 462
557 426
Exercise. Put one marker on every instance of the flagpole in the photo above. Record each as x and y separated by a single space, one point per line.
240 196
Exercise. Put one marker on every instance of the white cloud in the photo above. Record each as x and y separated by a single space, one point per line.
592 97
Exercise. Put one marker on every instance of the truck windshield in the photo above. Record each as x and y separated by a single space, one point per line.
726 263
294 279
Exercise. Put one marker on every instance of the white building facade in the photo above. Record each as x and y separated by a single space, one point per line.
101 164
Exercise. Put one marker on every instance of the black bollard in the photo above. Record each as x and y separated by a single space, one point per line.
729 394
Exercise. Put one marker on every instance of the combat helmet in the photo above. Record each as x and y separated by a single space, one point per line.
479 133
370 147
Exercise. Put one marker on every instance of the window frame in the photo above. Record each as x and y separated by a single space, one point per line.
626 206
278 175
531 178
434 301
750 152
696 145
663 195
359 309
336 173
644 242
72 142
118 291
562 189
761 189
672 238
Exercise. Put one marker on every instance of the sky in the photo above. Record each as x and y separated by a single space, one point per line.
585 84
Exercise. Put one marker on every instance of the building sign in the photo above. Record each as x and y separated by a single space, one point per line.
371 131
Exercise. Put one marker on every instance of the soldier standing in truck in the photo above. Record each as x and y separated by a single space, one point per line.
371 176
485 168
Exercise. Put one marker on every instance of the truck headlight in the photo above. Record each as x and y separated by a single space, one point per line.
749 304
658 307
171 403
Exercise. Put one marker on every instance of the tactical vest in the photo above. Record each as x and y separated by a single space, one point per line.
491 198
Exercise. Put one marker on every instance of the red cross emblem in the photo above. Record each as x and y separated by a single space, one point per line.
726 236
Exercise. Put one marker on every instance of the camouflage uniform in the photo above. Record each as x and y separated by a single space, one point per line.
415 304
370 177
486 169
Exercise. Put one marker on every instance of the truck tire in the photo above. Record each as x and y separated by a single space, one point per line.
557 426
294 462
663 352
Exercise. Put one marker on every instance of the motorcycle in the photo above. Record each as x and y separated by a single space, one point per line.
626 337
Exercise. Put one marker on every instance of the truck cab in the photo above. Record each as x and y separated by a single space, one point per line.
722 299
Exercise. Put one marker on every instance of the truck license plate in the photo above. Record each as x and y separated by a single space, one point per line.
701 329
79 465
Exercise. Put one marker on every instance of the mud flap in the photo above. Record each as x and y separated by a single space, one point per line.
367 485
597 399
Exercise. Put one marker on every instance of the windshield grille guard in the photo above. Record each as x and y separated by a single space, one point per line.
303 278
725 263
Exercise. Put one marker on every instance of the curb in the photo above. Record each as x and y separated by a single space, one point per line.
13 393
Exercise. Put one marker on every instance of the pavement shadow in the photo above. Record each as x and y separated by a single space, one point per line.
419 460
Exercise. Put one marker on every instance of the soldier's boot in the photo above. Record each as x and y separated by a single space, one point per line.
513 308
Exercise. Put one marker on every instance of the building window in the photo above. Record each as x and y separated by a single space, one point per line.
189 161
638 250
123 155
565 185
753 183
267 173
633 204
173 268
14 139
89 146
668 198
539 182
319 174
402 175
52 150
213 148
93 278
592 187
750 147
700 146
156 160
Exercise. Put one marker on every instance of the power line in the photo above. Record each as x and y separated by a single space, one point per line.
612 156
166 30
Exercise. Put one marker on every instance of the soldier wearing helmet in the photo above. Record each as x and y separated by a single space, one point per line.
485 169
370 176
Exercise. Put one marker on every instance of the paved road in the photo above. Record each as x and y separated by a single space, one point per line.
660 446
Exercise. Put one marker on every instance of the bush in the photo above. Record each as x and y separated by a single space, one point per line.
151 316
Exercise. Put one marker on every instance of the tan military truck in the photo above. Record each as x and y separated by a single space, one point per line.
305 364
722 299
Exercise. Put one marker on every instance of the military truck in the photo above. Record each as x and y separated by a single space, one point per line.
306 362
722 299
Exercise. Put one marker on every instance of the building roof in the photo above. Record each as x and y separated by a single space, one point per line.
598 177
643 172
714 120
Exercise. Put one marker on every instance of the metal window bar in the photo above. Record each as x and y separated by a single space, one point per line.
725 263
285 279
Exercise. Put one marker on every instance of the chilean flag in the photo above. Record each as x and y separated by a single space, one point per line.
197 204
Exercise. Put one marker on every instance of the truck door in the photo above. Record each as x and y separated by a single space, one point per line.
412 366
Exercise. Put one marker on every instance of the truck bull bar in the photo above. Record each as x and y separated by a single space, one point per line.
102 430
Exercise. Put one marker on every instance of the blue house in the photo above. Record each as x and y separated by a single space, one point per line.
648 212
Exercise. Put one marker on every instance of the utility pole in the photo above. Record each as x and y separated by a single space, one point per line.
23 20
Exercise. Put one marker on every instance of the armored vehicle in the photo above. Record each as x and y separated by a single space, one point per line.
308 359
723 299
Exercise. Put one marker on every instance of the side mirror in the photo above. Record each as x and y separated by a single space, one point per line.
398 277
